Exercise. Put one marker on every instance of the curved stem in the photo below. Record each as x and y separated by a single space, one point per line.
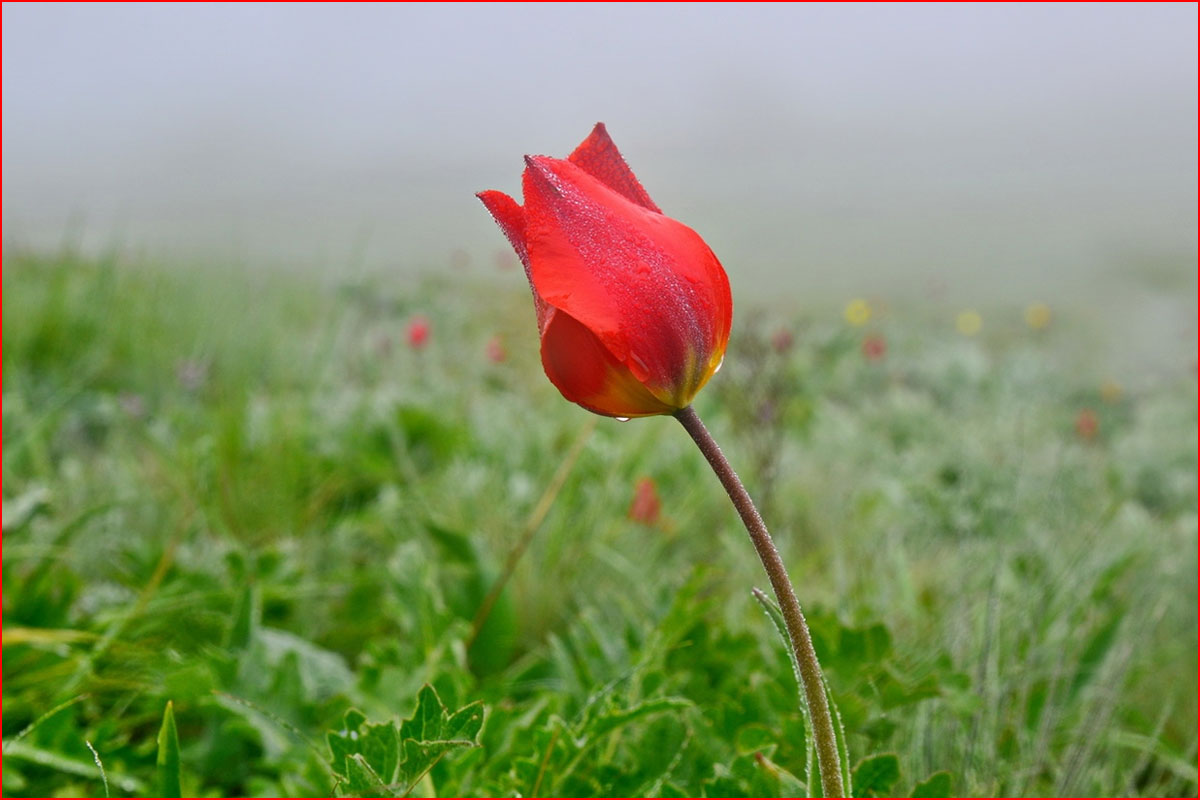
806 656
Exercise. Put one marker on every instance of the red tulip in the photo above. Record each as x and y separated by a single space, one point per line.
1087 424
495 350
646 508
874 347
633 307
418 332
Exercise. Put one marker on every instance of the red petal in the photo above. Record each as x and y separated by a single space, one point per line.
598 156
586 373
511 219
647 286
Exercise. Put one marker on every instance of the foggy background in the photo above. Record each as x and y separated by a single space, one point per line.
1012 152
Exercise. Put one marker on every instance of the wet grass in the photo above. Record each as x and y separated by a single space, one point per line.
246 495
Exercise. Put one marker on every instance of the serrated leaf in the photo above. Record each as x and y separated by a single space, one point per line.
362 781
432 732
875 774
466 722
939 784
378 745
168 782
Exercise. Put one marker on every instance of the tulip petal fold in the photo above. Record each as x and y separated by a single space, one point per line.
586 373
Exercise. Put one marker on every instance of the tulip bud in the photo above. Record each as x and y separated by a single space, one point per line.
633 308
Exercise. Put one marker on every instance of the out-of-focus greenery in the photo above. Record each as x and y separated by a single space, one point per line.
246 495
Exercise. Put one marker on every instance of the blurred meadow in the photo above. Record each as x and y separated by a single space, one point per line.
290 508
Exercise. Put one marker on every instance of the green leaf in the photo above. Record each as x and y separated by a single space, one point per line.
839 737
432 732
1097 648
453 545
168 783
810 757
246 618
874 775
617 718
839 732
752 775
939 784
362 781
377 746
374 758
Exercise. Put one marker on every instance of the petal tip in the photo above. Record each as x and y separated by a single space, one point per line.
598 156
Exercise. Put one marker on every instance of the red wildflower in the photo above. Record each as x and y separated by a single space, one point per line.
418 332
495 350
1087 424
874 347
633 307
646 508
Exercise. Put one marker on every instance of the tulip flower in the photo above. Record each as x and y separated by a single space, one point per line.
1087 424
633 308
782 340
418 332
874 347
646 508
495 350
634 312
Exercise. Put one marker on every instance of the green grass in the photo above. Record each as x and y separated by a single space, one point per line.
244 495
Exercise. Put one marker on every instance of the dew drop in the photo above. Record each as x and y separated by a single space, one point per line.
720 364
621 419
640 364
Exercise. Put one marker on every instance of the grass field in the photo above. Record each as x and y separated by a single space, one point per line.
245 494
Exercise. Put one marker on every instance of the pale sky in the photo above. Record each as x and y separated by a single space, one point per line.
826 146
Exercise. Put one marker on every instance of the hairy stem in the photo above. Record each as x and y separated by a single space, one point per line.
806 656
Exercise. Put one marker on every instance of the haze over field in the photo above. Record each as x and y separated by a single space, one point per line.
1004 151
295 507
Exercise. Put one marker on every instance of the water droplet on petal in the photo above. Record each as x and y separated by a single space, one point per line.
640 364
621 419
720 364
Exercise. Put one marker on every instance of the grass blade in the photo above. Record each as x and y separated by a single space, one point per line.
28 729
168 755
810 761
100 766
